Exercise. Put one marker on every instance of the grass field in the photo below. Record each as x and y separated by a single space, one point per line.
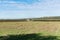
45 28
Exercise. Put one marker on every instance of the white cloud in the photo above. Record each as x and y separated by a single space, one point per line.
38 9
45 4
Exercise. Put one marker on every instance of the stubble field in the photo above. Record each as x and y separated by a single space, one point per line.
43 27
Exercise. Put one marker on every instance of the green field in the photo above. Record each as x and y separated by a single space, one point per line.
45 28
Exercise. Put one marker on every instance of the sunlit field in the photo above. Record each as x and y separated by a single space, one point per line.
43 27
30 30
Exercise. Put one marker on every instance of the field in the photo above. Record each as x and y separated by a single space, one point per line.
45 28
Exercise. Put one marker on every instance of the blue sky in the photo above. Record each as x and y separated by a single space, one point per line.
16 9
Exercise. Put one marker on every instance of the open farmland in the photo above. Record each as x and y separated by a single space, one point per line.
46 28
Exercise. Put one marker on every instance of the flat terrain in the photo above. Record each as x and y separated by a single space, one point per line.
44 27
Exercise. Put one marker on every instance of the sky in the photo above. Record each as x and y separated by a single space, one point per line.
16 9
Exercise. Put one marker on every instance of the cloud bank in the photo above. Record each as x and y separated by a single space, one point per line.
21 4
27 9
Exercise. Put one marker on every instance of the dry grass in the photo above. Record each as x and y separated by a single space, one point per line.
46 28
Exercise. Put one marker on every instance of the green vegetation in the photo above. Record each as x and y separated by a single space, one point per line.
28 37
46 28
56 18
30 30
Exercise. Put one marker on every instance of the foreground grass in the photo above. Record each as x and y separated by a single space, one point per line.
46 28
29 37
